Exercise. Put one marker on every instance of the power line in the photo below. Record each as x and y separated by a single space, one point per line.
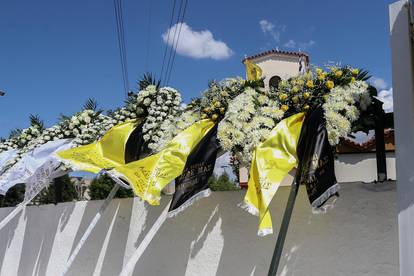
168 39
176 27
121 43
176 43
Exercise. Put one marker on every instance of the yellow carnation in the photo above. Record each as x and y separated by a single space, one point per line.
295 89
306 95
309 83
284 107
283 97
319 71
322 76
330 84
295 99
355 71
306 107
214 117
338 73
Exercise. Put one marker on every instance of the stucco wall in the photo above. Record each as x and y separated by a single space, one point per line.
213 237
362 167
277 65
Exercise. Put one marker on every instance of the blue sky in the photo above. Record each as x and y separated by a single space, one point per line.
54 55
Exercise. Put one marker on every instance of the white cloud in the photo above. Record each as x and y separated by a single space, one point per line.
306 45
378 83
268 28
385 96
300 45
290 44
197 44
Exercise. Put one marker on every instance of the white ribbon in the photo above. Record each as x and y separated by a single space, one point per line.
30 162
6 156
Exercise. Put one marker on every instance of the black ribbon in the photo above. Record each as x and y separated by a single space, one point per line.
134 145
316 159
193 182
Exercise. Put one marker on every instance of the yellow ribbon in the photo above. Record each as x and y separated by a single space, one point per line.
272 161
253 71
148 176
108 152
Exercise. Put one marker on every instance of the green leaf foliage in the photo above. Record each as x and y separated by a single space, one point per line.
14 196
48 195
102 185
222 183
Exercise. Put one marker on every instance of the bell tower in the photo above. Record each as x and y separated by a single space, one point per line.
277 65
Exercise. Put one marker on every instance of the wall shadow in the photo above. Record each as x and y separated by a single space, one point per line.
42 225
7 234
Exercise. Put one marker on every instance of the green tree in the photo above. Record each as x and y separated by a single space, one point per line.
14 196
102 185
48 195
222 183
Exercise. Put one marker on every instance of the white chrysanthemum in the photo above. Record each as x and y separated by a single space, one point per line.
248 121
343 100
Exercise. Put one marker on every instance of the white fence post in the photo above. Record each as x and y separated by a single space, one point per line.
403 91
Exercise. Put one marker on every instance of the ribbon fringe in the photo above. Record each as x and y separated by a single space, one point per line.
265 232
249 208
188 203
317 207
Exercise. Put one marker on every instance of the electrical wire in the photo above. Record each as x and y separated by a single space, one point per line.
168 39
176 42
121 43
176 27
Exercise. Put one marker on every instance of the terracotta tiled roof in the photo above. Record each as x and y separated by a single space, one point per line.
350 146
279 52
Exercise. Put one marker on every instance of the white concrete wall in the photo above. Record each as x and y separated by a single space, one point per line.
362 167
213 237
402 52
355 167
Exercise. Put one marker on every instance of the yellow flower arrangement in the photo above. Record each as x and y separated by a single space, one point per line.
306 95
338 73
283 97
217 104
330 84
295 89
295 99
222 110
319 71
355 71
214 117
284 107
321 76
224 93
306 107
309 84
